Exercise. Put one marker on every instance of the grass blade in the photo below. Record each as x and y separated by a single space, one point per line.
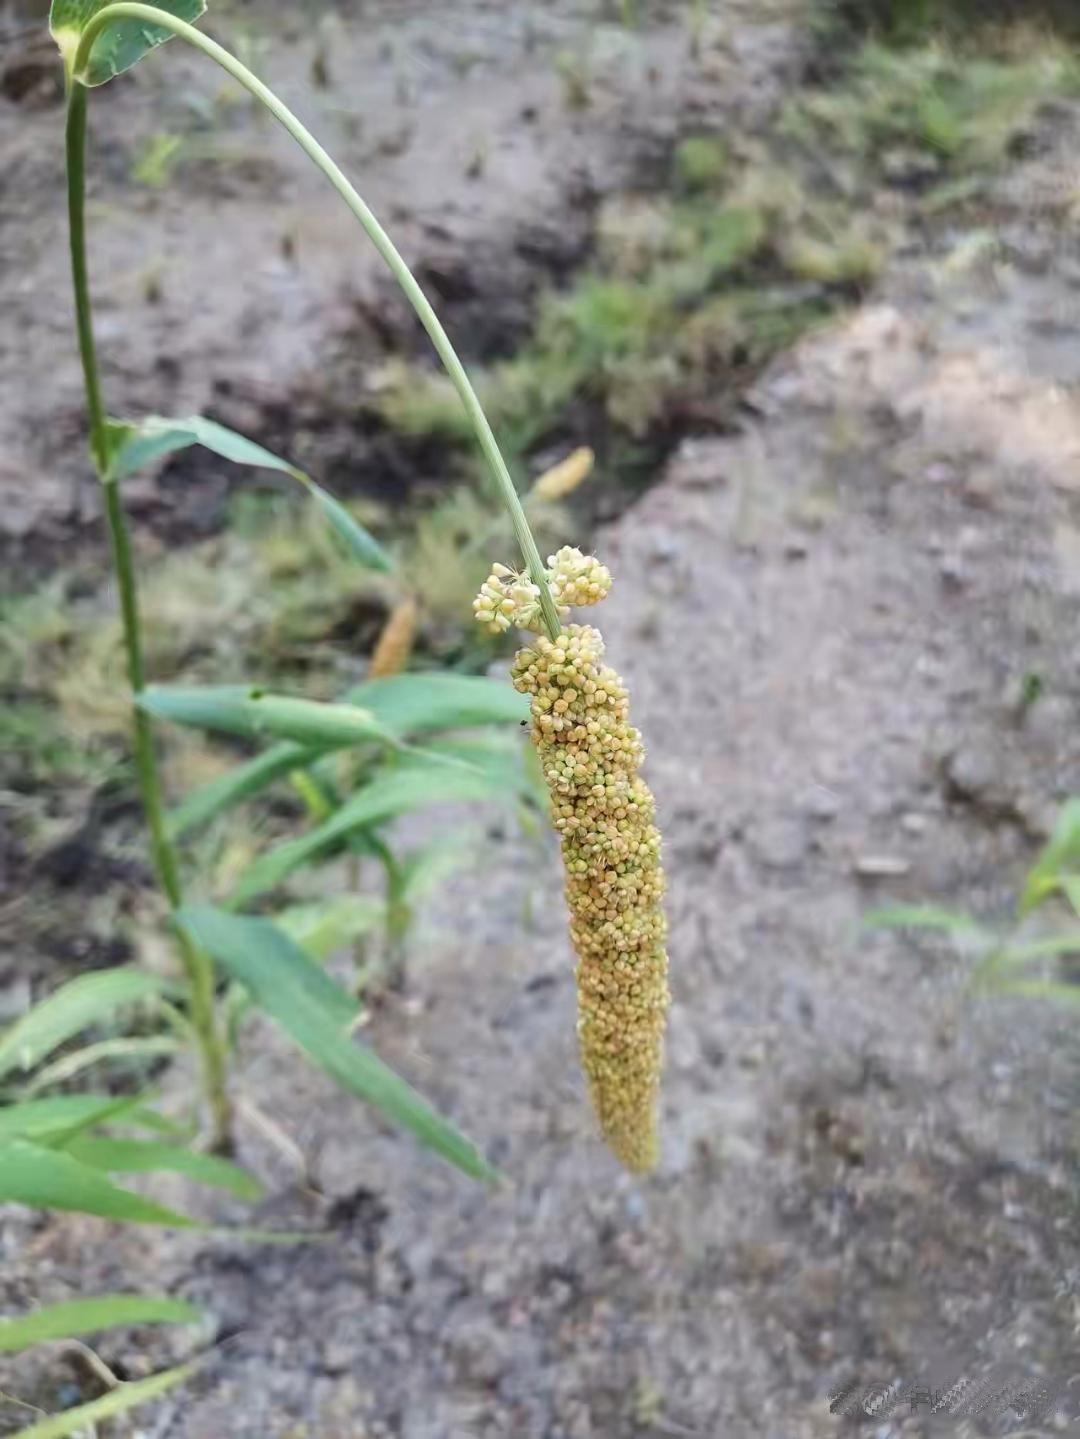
315 1012
69 1065
359 543
408 706
77 1318
138 443
239 784
50 1179
1061 854
395 792
151 1156
69 1010
922 916
47 1120
117 1401
248 711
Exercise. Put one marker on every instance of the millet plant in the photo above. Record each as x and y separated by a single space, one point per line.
53 1153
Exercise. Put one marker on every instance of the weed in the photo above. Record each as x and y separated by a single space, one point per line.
1025 956
702 163
962 113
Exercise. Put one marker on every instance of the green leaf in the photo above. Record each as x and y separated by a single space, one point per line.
137 443
1051 947
328 925
121 44
1063 994
62 1115
237 785
1070 885
141 442
259 942
70 1009
248 711
922 916
78 1317
50 1179
1061 854
407 705
315 1012
411 786
117 1401
418 704
362 545
65 1068
501 758
151 1156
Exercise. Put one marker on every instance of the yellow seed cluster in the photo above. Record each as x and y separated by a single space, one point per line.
509 598
605 816
576 579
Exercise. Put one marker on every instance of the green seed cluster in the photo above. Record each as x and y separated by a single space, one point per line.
605 816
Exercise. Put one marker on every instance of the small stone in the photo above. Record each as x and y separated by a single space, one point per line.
881 866
821 803
779 843
337 1357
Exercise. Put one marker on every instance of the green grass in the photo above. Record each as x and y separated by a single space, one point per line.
962 112
614 343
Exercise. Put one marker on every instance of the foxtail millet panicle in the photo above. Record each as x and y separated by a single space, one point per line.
604 814
396 640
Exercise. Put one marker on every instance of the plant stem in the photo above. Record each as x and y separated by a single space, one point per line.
127 10
197 967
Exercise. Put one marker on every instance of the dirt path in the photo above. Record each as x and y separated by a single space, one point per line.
825 622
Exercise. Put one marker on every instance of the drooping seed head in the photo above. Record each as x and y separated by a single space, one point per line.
604 815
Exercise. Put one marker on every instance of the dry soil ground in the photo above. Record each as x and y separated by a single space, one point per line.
825 620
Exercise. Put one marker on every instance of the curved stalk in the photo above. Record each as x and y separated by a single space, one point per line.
198 969
128 10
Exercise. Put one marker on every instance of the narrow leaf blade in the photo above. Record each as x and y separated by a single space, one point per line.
1062 853
357 541
296 993
151 1156
62 1115
240 783
68 1065
77 1318
248 711
395 792
921 916
71 1009
117 1401
137 443
407 706
149 439
417 704
50 1179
